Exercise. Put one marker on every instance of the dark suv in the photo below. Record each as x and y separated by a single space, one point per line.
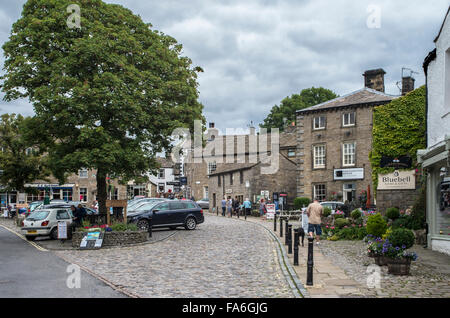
169 214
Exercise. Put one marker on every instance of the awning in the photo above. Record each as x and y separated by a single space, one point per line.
438 154
54 186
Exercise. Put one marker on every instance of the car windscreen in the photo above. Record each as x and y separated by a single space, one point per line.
145 206
38 216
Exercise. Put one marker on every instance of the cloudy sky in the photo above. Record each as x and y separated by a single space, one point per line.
256 52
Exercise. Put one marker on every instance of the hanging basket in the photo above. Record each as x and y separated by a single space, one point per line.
399 266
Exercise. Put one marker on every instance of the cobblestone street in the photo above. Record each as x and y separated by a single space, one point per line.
221 258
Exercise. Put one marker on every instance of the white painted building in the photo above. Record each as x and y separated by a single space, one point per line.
166 177
436 158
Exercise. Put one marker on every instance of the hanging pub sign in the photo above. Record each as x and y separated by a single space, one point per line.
402 162
398 180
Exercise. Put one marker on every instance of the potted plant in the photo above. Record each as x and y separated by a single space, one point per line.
398 260
401 264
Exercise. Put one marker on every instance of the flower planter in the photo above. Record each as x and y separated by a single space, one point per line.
381 260
399 266
372 255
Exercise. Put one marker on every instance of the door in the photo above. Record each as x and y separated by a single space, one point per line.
349 192
161 214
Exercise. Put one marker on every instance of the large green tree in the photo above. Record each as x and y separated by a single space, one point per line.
107 92
21 161
289 105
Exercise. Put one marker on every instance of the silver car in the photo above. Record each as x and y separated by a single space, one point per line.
203 203
332 205
45 223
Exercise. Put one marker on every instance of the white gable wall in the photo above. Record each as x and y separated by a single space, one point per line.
439 89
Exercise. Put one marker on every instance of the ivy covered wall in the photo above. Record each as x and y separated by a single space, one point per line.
399 128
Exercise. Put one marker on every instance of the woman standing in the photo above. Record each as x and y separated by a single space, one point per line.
262 209
230 206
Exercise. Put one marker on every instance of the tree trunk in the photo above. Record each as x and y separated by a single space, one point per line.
101 192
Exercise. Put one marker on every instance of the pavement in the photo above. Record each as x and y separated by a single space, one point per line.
27 271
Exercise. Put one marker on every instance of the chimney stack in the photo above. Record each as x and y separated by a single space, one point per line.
374 79
407 84
252 131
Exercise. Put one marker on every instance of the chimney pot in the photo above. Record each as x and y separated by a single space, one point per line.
374 79
407 84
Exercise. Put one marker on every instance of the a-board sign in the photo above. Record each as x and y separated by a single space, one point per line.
270 211
92 240
62 230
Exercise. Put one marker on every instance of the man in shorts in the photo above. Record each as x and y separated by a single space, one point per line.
314 212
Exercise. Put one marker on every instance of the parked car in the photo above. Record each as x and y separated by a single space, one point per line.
332 205
34 205
45 223
203 203
169 214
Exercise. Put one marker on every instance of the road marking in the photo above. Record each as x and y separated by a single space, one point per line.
23 238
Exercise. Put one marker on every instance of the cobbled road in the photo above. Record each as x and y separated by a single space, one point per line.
221 258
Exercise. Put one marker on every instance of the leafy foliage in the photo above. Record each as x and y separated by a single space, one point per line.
301 202
356 214
21 161
398 129
393 213
289 105
107 96
376 225
403 238
340 223
326 211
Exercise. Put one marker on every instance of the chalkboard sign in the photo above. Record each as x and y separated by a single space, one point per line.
92 240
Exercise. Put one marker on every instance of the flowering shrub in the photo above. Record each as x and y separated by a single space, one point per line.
339 214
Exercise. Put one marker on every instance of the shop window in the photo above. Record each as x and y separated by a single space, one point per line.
443 213
67 195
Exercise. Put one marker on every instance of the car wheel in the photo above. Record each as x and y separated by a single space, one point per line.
143 225
30 238
54 234
190 223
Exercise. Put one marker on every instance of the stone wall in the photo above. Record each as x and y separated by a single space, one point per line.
114 238
402 199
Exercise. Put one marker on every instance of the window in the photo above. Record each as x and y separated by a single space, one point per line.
319 123
57 194
320 192
116 194
348 120
212 166
241 177
67 194
231 178
205 192
219 181
62 215
161 173
291 152
83 195
83 173
32 197
319 157
348 154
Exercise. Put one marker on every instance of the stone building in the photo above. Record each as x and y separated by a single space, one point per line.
435 160
249 175
334 142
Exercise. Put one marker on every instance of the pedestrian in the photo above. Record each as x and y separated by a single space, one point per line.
247 206
236 205
262 209
314 213
82 212
230 206
224 206
76 217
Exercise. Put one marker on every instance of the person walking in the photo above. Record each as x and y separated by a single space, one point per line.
247 206
81 212
230 206
76 217
236 205
314 213
262 209
224 206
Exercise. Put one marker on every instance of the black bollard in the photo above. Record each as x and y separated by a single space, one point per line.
150 227
286 230
245 213
281 227
296 243
275 222
309 275
289 239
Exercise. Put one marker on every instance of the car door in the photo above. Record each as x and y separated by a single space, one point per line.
161 214
177 212
63 215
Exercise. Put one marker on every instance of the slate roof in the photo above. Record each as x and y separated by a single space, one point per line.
364 96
